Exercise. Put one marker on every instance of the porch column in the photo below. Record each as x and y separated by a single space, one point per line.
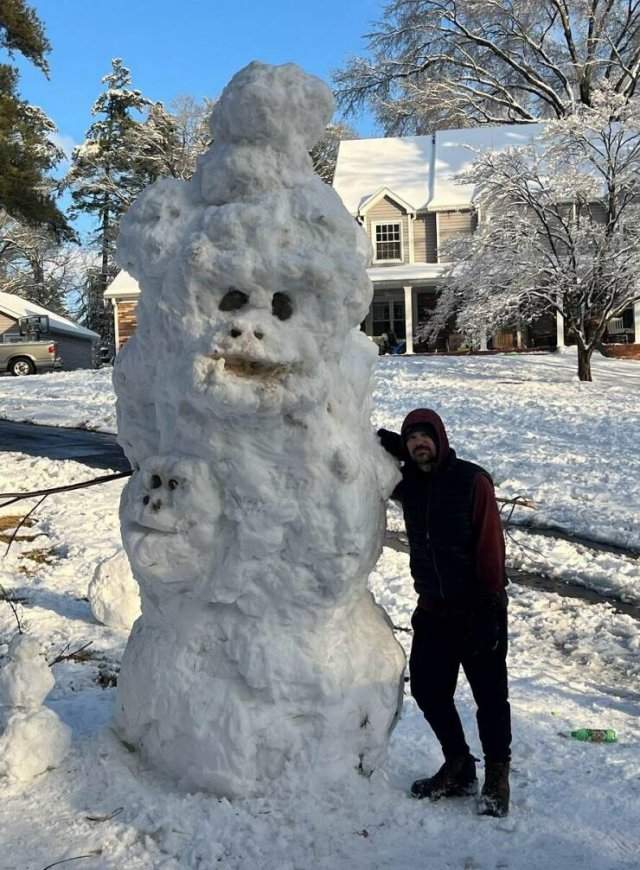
559 330
636 322
408 318
483 340
519 337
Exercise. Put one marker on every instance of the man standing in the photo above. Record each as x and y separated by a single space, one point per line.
457 555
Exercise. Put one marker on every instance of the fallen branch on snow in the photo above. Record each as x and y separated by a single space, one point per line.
74 655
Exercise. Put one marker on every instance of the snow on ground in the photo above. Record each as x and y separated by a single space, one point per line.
82 399
574 805
571 447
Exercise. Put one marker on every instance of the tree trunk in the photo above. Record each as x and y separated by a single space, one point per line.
584 363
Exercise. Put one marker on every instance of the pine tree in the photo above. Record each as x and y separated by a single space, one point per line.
26 152
104 179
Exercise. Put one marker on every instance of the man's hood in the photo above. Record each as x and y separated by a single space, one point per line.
426 415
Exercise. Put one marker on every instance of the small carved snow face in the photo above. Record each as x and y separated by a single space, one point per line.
170 510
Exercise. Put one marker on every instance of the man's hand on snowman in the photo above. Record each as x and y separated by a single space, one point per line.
393 444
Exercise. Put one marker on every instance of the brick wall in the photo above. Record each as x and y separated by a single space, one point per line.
127 321
621 351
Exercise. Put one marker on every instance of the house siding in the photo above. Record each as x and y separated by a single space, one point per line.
454 223
425 239
387 211
8 324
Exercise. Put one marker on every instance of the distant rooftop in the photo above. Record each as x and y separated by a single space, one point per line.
123 285
17 307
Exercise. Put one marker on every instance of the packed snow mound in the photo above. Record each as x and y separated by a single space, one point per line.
273 105
32 742
32 737
114 596
26 679
257 505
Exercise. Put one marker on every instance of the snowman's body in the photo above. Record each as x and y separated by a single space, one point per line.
32 737
257 508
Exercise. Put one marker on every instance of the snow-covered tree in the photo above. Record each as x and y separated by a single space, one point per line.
169 142
325 152
36 265
104 179
27 153
39 265
434 64
559 230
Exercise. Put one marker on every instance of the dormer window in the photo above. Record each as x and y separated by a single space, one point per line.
387 242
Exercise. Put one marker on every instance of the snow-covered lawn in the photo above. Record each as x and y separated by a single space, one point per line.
574 805
570 447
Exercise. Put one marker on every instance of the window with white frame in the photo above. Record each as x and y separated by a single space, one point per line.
387 242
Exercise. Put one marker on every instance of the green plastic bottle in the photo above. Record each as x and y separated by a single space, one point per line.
595 735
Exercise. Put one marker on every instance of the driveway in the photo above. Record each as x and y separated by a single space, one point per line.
96 449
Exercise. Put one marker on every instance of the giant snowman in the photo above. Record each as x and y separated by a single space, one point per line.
256 508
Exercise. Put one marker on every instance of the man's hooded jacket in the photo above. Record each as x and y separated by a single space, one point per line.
453 524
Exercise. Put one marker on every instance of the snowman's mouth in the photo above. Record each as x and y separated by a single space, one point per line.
248 367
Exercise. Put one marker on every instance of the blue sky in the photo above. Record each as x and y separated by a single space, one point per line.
189 47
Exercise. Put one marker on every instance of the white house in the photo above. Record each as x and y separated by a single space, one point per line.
402 191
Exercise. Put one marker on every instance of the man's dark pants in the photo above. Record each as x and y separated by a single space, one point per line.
444 639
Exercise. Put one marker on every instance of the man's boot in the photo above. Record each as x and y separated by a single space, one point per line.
494 800
456 777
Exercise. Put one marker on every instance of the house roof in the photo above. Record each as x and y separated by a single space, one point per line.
380 194
455 151
419 169
122 286
402 165
15 306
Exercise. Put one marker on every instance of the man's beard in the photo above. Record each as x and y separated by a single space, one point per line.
424 459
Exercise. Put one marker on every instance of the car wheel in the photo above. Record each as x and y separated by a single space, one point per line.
21 366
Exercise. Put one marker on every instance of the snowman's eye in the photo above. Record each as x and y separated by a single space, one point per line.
173 484
281 306
233 300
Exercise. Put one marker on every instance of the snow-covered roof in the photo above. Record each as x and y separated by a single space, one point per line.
455 151
402 165
406 272
16 307
419 169
123 285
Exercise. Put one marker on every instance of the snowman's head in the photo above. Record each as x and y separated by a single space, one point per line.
253 273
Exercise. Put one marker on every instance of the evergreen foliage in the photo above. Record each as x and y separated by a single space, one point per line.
104 179
27 154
